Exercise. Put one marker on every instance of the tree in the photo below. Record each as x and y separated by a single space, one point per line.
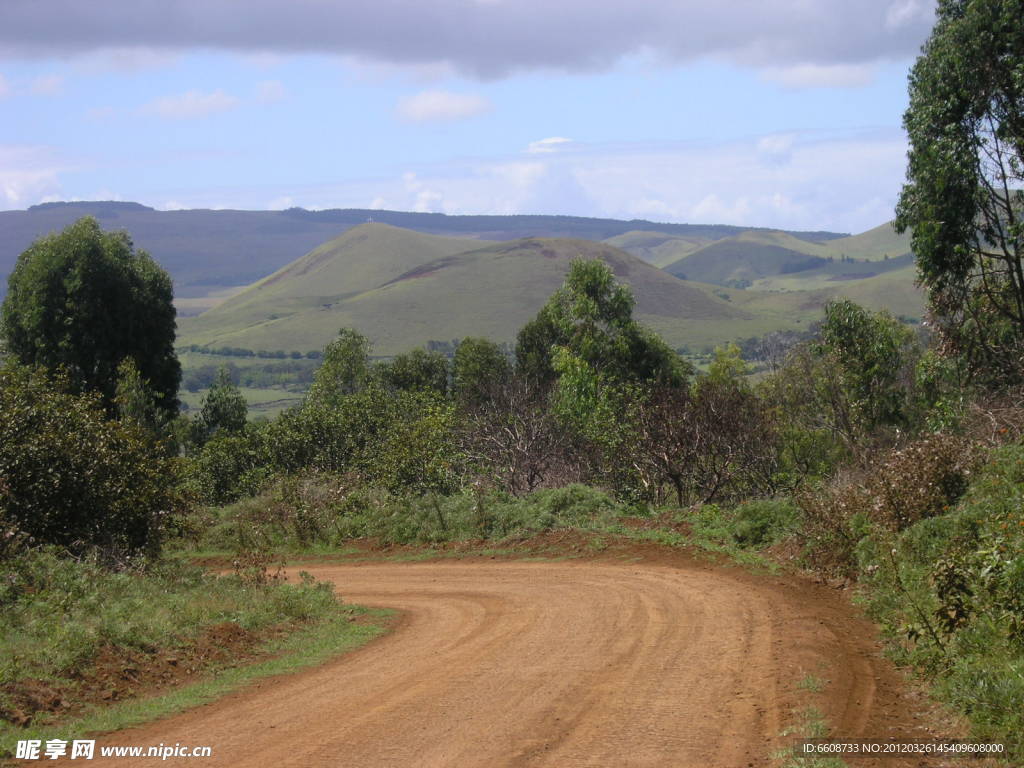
591 316
478 367
224 408
345 369
85 300
963 200
418 369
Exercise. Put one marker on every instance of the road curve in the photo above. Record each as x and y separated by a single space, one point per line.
596 663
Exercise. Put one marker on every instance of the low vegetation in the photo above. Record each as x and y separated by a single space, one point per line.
77 636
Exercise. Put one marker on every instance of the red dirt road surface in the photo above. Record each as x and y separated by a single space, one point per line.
588 663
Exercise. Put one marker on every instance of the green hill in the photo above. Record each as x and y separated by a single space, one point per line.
749 256
657 248
403 289
873 245
207 252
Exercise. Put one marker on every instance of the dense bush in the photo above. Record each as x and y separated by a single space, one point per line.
71 477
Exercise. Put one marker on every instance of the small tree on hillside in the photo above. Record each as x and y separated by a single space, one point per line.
345 369
224 408
591 316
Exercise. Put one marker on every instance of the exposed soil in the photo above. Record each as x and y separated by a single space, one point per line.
636 656
119 673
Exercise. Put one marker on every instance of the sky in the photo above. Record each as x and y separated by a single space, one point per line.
777 113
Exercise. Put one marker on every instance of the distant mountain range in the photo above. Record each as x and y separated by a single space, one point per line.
206 250
288 280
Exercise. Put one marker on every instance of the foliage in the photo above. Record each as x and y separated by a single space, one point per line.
230 465
478 368
592 317
324 510
224 409
948 592
73 478
85 300
345 368
418 369
509 433
136 403
762 522
873 354
963 199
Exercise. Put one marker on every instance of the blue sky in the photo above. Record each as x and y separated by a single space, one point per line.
780 113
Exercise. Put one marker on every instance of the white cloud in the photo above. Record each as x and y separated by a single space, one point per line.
28 175
281 203
435 106
544 146
821 75
903 13
192 104
844 182
48 85
270 91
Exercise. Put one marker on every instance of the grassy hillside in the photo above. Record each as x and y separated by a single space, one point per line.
873 245
403 289
747 257
657 248
206 251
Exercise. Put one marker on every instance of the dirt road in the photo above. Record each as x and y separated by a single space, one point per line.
507 663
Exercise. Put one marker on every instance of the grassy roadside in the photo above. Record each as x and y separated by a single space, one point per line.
81 646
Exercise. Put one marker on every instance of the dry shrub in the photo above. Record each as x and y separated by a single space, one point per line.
920 480
834 520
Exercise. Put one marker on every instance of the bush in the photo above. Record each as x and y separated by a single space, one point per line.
763 522
229 466
73 478
924 479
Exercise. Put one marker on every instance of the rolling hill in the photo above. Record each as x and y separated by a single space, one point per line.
657 248
403 289
212 251
748 256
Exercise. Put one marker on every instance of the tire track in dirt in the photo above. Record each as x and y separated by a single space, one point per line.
583 663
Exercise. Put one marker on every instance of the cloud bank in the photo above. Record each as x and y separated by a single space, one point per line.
483 38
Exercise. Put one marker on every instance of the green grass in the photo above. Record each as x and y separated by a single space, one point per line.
305 648
57 616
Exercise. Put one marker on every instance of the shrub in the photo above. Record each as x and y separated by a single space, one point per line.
923 479
73 478
763 522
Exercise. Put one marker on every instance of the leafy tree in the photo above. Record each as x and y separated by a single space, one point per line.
591 316
345 369
224 408
72 477
85 300
479 366
963 200
873 355
418 369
